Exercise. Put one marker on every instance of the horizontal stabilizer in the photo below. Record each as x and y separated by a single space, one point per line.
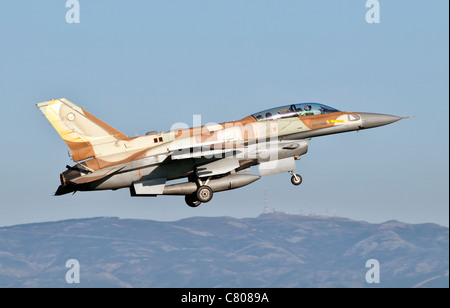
95 176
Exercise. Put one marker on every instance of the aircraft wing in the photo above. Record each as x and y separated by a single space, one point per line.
273 156
219 152
217 167
96 175
199 152
202 150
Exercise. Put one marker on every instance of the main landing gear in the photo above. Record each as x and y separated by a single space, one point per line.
296 179
191 200
203 194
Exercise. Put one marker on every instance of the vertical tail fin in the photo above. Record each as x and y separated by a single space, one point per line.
79 129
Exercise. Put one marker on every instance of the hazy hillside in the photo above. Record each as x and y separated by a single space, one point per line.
272 250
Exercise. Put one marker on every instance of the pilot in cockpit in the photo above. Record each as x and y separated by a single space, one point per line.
308 110
324 110
297 110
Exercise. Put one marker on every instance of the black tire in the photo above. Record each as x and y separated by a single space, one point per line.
191 200
204 194
296 181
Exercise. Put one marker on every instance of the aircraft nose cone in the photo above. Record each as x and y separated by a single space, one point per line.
377 119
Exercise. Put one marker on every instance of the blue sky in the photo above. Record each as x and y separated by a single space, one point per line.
145 65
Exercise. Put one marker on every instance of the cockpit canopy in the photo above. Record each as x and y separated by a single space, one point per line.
296 110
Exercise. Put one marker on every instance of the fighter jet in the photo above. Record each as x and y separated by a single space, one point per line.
212 158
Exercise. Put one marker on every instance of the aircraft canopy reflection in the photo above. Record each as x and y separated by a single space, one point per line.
294 110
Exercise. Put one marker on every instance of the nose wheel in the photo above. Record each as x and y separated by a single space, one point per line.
296 179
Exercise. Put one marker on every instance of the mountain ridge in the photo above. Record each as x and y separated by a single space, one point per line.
271 250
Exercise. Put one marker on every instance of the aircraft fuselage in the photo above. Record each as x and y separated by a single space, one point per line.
213 154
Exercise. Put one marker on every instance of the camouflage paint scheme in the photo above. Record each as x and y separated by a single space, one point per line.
213 155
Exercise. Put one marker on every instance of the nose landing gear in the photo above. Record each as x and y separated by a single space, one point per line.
296 179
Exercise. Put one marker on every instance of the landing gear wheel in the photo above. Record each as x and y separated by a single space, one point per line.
191 200
296 179
204 194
